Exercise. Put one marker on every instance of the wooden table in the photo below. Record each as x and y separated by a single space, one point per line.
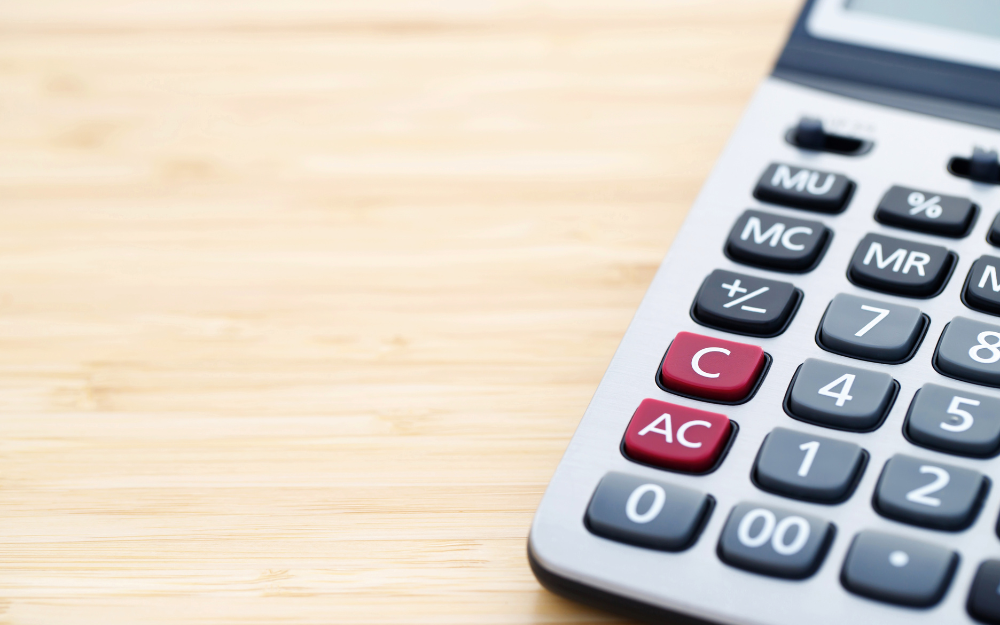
301 301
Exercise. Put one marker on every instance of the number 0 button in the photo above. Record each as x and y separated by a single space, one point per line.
871 330
970 350
774 542
808 467
929 494
839 396
647 513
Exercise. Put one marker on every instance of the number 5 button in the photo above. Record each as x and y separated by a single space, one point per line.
930 494
953 421
871 330
839 396
808 467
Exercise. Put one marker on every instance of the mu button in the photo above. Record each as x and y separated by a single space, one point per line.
676 437
708 368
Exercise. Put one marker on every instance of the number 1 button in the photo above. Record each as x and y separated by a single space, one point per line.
871 330
714 369
803 466
929 494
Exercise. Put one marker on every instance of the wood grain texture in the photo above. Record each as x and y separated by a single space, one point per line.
301 301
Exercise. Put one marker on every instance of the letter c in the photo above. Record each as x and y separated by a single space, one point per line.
682 430
697 357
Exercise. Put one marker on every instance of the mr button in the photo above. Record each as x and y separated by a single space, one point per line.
713 369
900 267
676 437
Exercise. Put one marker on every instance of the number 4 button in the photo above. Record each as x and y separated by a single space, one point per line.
839 396
871 330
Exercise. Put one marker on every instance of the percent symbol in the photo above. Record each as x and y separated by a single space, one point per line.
921 203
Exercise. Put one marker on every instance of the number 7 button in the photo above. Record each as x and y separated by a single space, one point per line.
871 330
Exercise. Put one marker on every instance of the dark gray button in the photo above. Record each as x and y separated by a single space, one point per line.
872 330
800 187
774 542
839 396
970 350
777 242
808 467
745 304
931 494
898 570
646 512
984 598
900 267
926 211
982 288
954 421
993 236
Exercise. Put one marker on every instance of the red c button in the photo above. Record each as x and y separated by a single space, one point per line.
711 368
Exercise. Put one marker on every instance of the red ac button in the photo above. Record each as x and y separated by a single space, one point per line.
712 369
676 437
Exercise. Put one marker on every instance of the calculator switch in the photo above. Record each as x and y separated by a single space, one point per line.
900 267
808 467
773 541
926 211
929 494
982 288
745 304
777 242
647 513
802 187
676 437
870 329
898 570
969 350
839 396
955 422
982 166
984 598
713 369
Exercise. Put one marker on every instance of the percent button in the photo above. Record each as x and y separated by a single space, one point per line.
926 211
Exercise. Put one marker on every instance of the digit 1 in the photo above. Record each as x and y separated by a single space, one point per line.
810 448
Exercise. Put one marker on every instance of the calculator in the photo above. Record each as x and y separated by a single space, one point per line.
802 422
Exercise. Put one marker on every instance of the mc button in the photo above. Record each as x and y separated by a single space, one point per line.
712 369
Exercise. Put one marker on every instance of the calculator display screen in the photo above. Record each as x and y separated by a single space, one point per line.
959 31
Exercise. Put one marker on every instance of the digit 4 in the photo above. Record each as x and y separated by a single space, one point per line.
844 395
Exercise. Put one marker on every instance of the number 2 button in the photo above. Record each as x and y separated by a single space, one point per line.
839 396
929 494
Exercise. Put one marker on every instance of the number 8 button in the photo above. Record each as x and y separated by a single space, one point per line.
970 350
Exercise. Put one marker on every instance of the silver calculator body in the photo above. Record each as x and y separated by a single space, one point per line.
901 123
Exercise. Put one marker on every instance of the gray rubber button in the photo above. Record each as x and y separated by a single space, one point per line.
745 304
839 396
898 570
871 329
901 267
776 241
808 467
954 421
930 494
800 187
772 541
984 598
969 350
648 513
926 211
982 289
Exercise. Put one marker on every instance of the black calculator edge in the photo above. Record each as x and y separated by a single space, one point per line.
607 601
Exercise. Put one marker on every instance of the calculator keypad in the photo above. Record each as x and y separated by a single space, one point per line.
926 211
803 466
801 187
954 422
648 513
839 396
710 368
777 242
676 437
898 570
900 267
969 350
870 329
745 304
930 494
774 541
